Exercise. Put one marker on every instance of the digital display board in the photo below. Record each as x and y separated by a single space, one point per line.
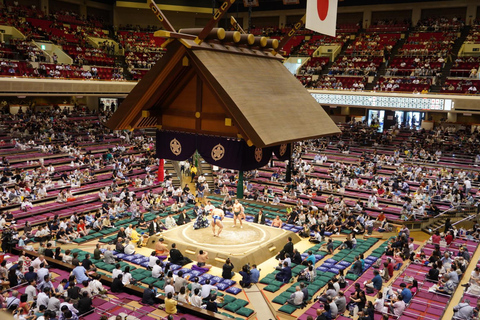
384 102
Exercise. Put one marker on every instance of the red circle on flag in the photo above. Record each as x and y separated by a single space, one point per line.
322 9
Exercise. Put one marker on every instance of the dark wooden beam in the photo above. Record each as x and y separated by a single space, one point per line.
290 34
160 16
213 22
212 133
236 25
191 115
199 102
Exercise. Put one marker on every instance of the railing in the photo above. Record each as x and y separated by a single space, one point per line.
459 209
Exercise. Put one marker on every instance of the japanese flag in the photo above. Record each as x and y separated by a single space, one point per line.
322 16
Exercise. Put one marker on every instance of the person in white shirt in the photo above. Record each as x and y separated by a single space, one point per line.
195 298
296 298
96 286
128 231
127 276
129 248
169 287
379 304
152 260
207 289
209 207
43 297
31 291
116 271
157 269
170 221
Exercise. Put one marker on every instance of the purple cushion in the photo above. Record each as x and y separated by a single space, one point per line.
174 267
230 282
344 263
195 267
196 273
207 275
233 290
222 286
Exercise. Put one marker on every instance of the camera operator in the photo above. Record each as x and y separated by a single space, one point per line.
245 273
9 239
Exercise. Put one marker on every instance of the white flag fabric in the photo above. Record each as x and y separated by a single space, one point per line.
322 16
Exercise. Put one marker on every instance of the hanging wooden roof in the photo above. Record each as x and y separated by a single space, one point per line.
220 88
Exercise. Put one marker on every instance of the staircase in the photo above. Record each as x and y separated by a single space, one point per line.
449 62
206 169
172 167
383 67
326 69
437 223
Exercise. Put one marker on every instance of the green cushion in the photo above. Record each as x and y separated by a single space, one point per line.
271 288
228 315
280 299
314 287
351 276
149 280
246 312
228 298
109 267
241 303
297 269
288 308
138 276
233 307
319 283
277 283
268 279
159 284
100 265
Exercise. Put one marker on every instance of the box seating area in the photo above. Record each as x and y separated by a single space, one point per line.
440 24
455 85
334 82
314 65
356 65
388 26
112 304
373 44
138 41
325 270
466 67
428 44
228 289
389 207
404 84
89 56
143 60
474 33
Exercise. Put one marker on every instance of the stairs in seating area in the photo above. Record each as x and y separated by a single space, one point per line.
206 170
437 223
449 62
172 168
